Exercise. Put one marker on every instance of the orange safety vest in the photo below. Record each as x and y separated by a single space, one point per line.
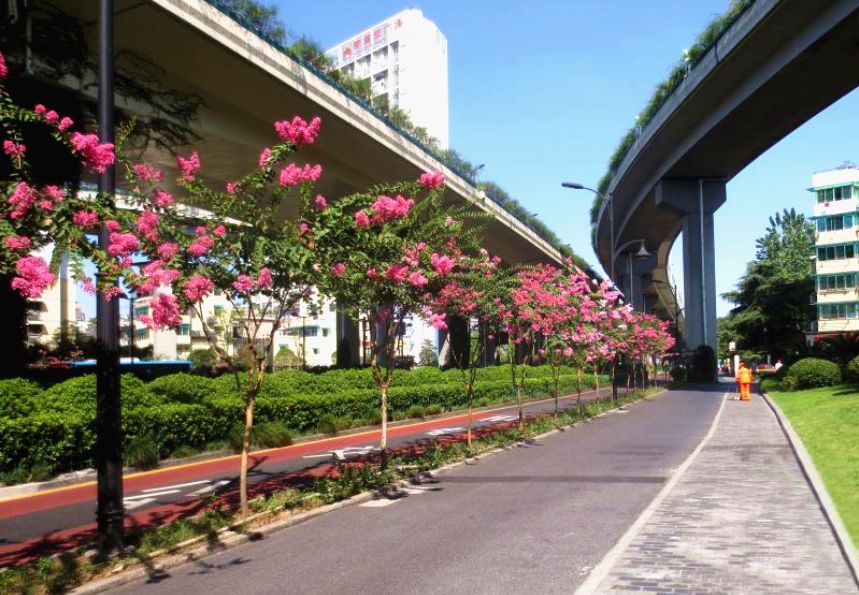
744 376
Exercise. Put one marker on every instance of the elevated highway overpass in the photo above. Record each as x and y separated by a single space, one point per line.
780 63
246 84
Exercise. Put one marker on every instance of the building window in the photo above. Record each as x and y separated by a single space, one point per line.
315 351
185 329
830 282
835 223
141 311
219 310
325 332
837 193
141 333
837 311
839 252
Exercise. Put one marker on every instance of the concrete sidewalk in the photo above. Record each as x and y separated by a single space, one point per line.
741 519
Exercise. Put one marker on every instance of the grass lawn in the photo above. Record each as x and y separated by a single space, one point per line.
827 420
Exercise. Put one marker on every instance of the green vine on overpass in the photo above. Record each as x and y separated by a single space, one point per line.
703 44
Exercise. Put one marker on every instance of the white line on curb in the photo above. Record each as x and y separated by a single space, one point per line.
602 569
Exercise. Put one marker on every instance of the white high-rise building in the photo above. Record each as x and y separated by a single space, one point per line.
404 58
837 249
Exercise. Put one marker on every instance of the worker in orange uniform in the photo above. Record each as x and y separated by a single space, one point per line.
744 381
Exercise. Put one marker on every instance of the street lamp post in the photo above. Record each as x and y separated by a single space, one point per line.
607 198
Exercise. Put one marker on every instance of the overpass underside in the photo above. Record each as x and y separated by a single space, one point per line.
778 65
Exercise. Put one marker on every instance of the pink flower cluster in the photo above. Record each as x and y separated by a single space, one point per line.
386 208
298 132
13 149
18 242
33 278
264 156
22 198
442 265
147 224
319 203
147 173
197 287
245 284
162 199
201 245
122 244
431 180
291 175
96 156
168 250
165 312
233 187
338 269
155 276
189 168
4 70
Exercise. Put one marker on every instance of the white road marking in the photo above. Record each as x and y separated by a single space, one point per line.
496 419
210 488
443 431
136 504
152 494
379 503
342 453
178 485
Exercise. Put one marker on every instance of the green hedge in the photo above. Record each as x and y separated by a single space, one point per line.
811 372
55 427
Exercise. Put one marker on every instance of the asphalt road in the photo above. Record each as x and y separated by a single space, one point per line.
534 519
55 520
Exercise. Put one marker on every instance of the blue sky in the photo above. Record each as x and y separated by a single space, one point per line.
542 92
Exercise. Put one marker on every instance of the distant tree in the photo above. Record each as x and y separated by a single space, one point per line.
771 299
427 356
286 358
262 16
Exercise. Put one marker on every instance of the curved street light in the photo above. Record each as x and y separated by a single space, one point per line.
607 198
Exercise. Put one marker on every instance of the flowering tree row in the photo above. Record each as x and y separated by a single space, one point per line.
390 251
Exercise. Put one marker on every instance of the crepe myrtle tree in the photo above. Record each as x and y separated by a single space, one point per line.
471 292
235 240
389 252
572 326
35 218
535 307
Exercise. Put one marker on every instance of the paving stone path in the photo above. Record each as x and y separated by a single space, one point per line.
742 519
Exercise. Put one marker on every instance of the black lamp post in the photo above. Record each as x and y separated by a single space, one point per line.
109 511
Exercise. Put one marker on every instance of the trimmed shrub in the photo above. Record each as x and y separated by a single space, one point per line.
812 372
182 388
770 383
265 435
851 371
18 397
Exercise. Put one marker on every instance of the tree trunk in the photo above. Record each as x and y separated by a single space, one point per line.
579 389
557 379
597 382
383 441
470 411
246 444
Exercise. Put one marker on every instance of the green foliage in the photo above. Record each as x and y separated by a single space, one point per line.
811 373
771 299
59 434
18 397
203 361
851 372
141 453
270 434
182 388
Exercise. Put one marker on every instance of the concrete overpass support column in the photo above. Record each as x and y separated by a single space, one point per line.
697 200
348 341
634 270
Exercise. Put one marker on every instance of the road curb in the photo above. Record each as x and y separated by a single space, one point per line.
602 569
818 488
155 566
